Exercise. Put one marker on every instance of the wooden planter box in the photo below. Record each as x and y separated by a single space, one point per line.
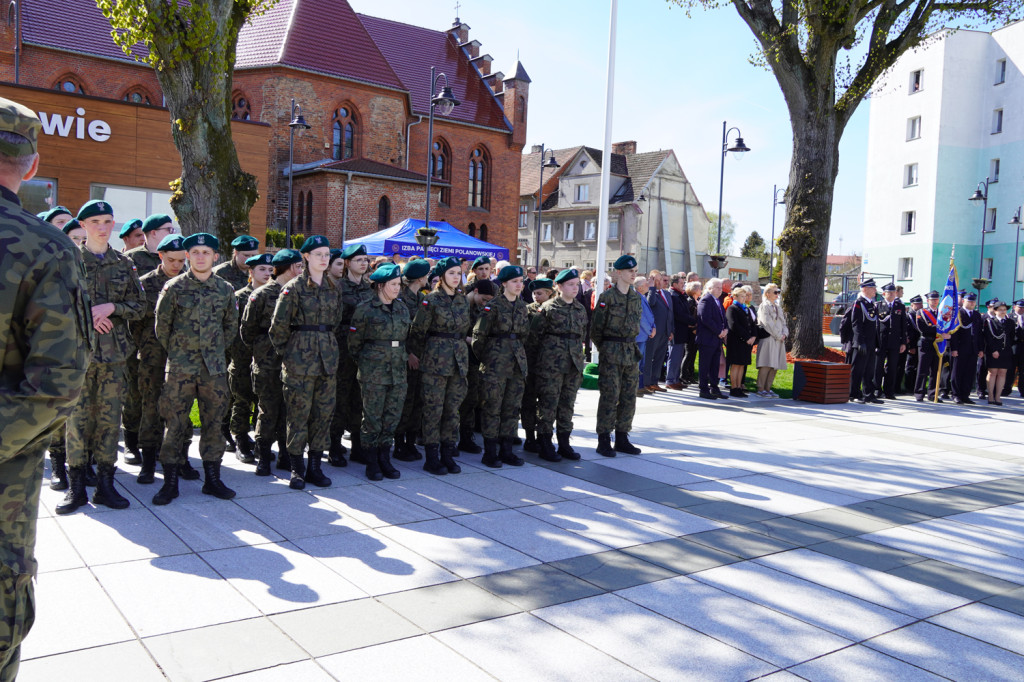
821 382
826 325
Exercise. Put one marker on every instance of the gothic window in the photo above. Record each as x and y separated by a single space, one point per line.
343 131
137 95
69 84
472 229
309 211
483 232
241 108
383 213
301 215
520 109
479 187
440 160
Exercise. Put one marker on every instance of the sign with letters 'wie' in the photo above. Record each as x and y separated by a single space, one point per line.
74 126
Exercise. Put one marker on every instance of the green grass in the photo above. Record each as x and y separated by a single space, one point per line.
783 384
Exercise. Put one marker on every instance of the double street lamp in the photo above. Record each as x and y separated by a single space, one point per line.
738 148
444 101
298 121
776 201
549 163
982 196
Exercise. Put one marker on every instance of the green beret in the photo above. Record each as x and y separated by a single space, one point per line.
201 239
94 208
245 243
261 259
566 275
482 260
446 264
314 241
48 216
416 268
156 221
286 257
624 262
20 120
353 250
172 242
335 254
129 227
386 272
509 272
71 225
541 283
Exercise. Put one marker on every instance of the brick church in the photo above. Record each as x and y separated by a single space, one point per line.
363 87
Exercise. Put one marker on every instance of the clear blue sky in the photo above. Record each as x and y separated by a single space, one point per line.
676 80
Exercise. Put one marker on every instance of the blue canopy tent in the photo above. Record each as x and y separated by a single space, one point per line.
401 239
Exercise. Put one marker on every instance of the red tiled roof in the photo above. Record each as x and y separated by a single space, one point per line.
71 25
841 260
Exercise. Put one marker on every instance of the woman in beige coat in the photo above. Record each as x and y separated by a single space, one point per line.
771 350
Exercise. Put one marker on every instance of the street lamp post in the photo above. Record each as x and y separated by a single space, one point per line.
982 197
738 148
297 121
646 198
1016 222
445 101
776 201
550 163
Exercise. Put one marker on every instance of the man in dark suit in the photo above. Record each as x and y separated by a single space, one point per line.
927 358
1017 371
966 345
680 334
711 333
892 341
657 346
864 345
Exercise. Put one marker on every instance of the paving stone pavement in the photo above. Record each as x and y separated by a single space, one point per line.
751 539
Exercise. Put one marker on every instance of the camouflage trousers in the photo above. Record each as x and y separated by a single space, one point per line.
474 395
59 442
556 400
382 408
243 397
412 410
151 383
502 415
348 401
95 422
617 403
20 479
528 413
176 398
440 398
309 403
270 419
131 409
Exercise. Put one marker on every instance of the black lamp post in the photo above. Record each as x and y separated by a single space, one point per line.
297 121
1016 222
776 201
444 101
426 237
550 163
738 148
982 197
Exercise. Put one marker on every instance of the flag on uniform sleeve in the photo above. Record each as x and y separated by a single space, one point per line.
949 309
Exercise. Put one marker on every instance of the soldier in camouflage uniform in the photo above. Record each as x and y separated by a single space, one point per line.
45 336
541 291
240 364
266 361
478 293
558 330
195 320
348 412
304 332
95 423
498 338
152 357
438 341
376 340
613 330
132 236
414 282
58 216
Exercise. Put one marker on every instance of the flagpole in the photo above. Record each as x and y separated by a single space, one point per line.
935 344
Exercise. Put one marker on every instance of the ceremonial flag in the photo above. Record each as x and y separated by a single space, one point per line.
949 309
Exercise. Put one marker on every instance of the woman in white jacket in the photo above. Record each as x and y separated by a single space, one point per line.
771 350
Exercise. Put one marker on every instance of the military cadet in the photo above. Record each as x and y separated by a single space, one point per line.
73 229
304 331
266 361
478 293
117 299
541 290
967 348
928 359
131 234
45 335
892 342
613 330
414 282
498 340
240 364
153 357
195 320
438 342
481 269
58 216
376 341
913 336
336 270
558 329
147 256
355 289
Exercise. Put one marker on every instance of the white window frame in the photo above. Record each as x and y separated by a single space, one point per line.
588 265
911 173
916 77
545 232
582 193
986 268
997 121
905 270
993 170
569 231
990 219
1020 269
908 223
914 128
566 264
524 215
1000 71
613 228
589 230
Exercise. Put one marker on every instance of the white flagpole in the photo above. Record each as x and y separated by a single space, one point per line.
600 267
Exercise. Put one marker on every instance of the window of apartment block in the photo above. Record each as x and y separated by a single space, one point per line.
613 228
566 264
914 128
545 232
588 265
993 170
990 220
909 223
582 192
1020 269
986 270
590 230
916 81
910 175
569 232
524 214
1000 71
997 121
906 268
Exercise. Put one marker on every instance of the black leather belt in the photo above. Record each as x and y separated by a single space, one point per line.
621 339
312 328
386 342
445 335
565 336
504 336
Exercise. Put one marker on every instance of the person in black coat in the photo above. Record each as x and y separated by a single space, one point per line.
711 332
999 333
892 341
864 345
966 349
927 357
740 341
913 336
1017 371
660 301
682 333
688 373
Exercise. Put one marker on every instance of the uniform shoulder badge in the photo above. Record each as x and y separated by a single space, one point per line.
603 304
487 308
426 302
252 297
351 329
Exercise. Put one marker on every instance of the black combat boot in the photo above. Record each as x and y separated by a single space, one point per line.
185 469
547 449
297 482
448 451
564 448
336 454
225 430
466 442
105 493
604 445
373 471
384 461
212 485
58 472
284 460
169 490
359 454
131 448
531 444
411 438
506 455
75 497
314 474
148 470
245 449
433 464
490 458
622 443
405 448
90 473
266 458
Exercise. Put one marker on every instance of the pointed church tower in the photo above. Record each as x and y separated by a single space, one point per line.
516 102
